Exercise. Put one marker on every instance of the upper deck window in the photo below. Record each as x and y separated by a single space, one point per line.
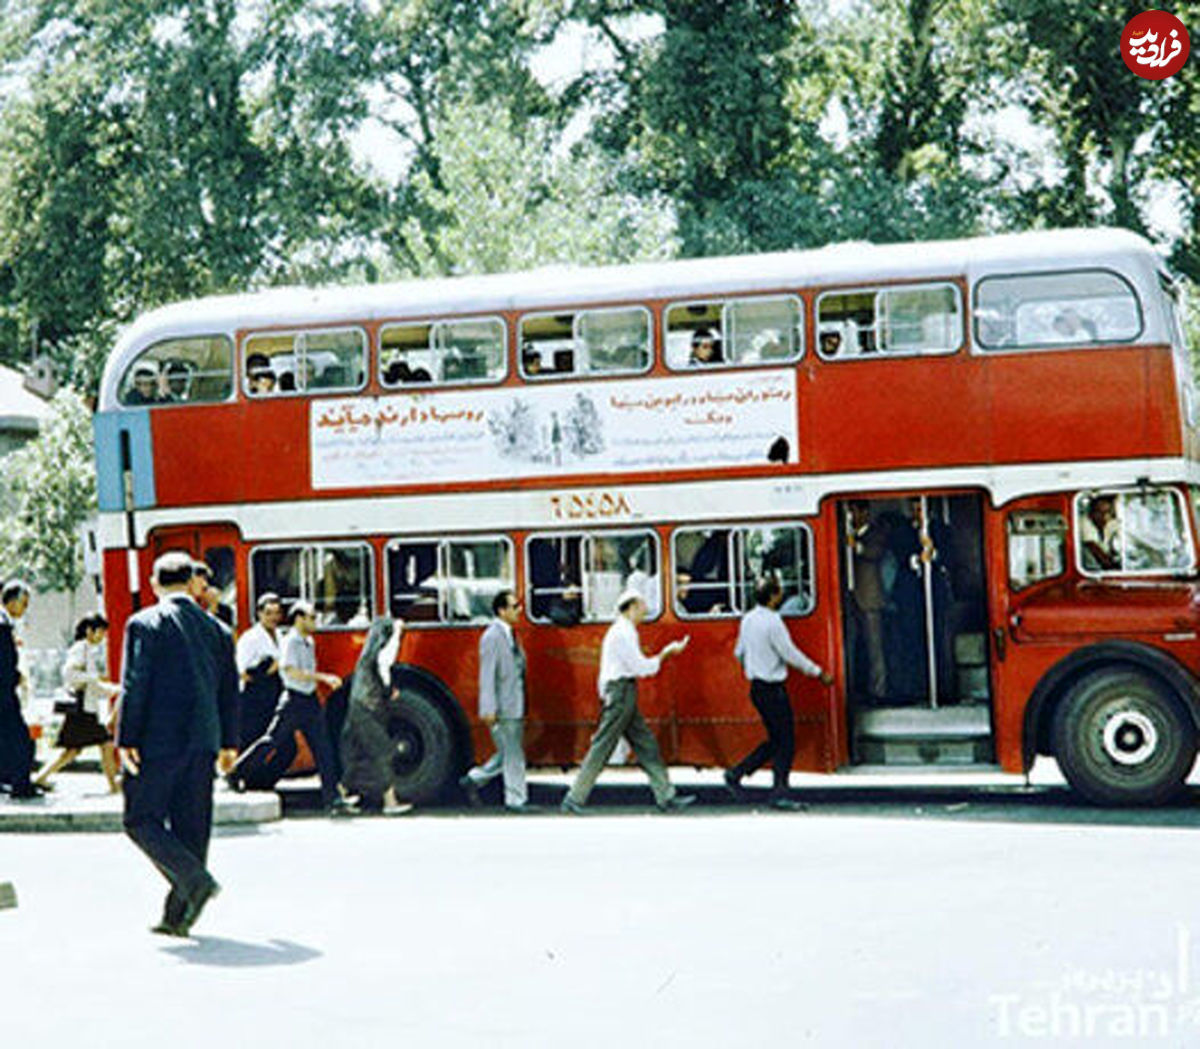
1055 309
180 371
305 362
737 332
892 322
605 342
1134 532
441 352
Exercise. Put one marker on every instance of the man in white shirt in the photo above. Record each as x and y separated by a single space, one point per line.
765 650
258 670
622 662
1100 535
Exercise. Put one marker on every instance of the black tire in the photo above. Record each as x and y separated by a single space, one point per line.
424 755
1122 737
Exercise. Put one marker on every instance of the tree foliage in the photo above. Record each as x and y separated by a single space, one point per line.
49 491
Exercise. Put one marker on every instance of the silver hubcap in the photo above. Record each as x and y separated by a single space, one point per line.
1130 737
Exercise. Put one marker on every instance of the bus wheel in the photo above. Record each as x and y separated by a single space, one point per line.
423 747
1122 738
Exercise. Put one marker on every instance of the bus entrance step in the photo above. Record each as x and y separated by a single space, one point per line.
957 722
913 751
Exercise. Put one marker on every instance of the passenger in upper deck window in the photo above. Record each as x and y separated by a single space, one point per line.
831 342
397 372
260 377
1069 326
179 380
531 361
145 389
706 349
1100 535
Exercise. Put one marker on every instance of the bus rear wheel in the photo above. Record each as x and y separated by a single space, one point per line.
423 753
1123 738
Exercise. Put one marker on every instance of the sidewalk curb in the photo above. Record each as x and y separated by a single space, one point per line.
103 814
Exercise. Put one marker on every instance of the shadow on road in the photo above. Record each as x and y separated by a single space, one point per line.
237 954
998 804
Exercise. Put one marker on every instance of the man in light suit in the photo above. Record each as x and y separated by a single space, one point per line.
178 715
502 706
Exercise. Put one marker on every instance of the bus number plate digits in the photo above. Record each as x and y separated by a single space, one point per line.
589 506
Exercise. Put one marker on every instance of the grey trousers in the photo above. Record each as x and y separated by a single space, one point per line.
508 761
620 718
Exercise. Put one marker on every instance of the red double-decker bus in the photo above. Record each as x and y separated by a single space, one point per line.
971 463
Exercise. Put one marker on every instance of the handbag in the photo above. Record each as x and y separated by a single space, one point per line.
71 705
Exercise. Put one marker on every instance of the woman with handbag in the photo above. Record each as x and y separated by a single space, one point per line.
84 672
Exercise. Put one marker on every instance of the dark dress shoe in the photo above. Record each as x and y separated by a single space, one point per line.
191 913
733 783
471 790
524 810
166 928
678 802
784 804
28 793
572 808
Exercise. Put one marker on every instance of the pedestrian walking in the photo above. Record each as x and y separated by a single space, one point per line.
299 710
85 678
16 745
258 657
622 662
178 715
367 749
766 650
502 706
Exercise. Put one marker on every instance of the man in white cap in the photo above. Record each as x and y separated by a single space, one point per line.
622 662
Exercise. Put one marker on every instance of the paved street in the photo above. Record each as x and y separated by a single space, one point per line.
929 918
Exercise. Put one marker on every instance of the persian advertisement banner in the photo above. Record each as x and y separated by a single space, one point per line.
640 426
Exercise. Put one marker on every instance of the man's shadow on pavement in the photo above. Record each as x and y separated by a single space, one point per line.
235 954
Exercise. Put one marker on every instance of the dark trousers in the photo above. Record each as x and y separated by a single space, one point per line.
770 699
16 746
259 700
299 712
168 814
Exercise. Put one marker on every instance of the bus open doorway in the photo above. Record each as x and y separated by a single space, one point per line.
914 601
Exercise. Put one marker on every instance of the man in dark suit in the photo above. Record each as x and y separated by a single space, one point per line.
16 746
178 710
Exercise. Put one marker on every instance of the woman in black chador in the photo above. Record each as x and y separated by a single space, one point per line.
366 747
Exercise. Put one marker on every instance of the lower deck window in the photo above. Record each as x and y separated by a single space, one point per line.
447 581
578 578
334 577
716 570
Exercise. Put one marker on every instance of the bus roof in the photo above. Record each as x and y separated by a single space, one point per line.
559 286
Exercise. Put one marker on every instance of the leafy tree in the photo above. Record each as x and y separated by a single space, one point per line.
50 491
700 112
510 199
1118 138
